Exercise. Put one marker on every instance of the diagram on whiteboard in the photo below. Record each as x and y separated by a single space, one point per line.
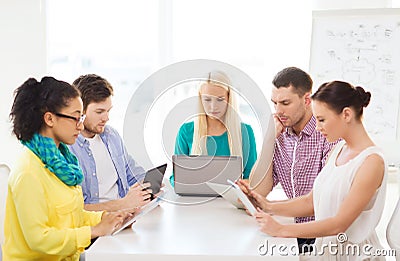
363 49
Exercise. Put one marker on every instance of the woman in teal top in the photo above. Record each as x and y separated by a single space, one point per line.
217 129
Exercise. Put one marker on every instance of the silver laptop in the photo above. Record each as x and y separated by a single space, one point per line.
192 172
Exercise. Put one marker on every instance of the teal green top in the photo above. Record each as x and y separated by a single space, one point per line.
218 145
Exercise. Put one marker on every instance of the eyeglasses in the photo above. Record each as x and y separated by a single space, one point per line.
79 120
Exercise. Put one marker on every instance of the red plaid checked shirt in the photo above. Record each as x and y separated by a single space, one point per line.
298 160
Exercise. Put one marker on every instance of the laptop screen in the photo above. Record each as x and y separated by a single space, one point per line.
192 172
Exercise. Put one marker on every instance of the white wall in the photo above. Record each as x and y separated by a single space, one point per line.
22 55
350 4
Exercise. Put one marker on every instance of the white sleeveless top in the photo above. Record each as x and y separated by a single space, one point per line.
330 189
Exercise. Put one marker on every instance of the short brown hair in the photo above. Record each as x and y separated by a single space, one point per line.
293 76
93 88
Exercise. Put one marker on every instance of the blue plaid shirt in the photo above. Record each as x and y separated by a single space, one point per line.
128 171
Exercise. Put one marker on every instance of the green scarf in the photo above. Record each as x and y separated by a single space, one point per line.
59 160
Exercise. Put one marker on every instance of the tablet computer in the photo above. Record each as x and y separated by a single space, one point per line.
143 211
155 177
226 191
243 198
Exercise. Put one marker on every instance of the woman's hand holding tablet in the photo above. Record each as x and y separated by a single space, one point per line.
245 200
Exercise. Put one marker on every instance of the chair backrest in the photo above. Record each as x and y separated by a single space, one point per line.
393 230
4 172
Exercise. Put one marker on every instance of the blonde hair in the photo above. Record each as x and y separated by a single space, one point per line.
231 120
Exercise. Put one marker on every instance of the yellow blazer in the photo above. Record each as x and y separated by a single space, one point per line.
45 219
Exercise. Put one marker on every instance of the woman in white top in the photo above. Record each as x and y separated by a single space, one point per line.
349 194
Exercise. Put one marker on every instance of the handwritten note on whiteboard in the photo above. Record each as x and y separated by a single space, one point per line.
361 47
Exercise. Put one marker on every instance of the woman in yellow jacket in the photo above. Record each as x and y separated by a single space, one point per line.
45 219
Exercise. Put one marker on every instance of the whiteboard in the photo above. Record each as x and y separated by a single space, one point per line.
361 47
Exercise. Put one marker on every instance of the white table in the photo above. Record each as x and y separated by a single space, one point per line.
190 228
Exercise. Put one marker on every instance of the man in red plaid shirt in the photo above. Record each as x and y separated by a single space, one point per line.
300 150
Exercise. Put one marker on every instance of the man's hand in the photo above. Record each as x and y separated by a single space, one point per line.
279 128
137 196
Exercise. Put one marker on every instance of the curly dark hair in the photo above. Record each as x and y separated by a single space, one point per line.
33 99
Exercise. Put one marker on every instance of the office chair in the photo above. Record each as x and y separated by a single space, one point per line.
393 230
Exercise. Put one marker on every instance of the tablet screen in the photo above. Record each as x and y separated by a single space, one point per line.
155 177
